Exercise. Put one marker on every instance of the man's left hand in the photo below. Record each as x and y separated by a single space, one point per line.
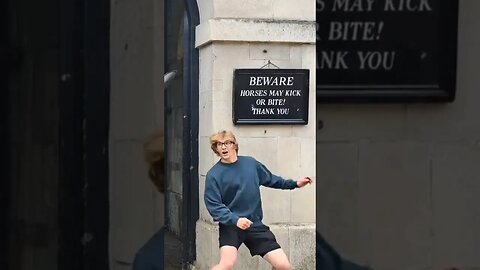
304 181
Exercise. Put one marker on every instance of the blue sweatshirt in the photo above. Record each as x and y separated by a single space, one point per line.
232 190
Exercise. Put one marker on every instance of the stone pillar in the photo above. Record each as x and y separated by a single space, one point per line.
246 34
136 112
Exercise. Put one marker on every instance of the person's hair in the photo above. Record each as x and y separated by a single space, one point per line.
220 136
155 157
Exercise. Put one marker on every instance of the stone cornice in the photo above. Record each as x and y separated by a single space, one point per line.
242 30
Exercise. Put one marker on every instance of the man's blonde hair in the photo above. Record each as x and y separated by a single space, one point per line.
222 136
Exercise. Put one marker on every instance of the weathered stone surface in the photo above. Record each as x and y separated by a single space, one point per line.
337 196
456 215
302 247
394 205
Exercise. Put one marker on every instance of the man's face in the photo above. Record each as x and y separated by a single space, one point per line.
226 150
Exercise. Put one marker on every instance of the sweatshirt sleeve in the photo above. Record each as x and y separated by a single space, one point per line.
213 201
270 180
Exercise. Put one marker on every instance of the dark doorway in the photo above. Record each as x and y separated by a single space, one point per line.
181 118
32 135
54 126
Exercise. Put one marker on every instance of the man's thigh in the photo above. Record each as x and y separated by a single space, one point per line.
228 254
228 257
278 259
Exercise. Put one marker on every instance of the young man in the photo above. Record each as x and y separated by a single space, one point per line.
232 197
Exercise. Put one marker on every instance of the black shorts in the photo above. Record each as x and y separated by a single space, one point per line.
259 240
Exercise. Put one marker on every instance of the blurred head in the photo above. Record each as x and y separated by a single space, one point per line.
155 157
224 144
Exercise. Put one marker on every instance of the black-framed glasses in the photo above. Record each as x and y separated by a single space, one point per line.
226 143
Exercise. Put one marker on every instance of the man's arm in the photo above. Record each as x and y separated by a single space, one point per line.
213 201
270 180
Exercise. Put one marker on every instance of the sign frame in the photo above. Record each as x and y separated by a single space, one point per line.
442 89
239 104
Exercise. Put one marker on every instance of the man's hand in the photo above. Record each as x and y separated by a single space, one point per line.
304 181
244 223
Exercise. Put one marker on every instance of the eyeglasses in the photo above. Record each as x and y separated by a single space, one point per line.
226 143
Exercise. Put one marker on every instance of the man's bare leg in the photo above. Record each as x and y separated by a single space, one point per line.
228 257
278 259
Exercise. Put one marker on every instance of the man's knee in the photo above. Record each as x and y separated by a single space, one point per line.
228 265
283 266
228 257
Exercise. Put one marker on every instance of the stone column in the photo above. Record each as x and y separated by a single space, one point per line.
246 34
136 112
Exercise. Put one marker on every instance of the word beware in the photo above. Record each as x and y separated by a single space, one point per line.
271 80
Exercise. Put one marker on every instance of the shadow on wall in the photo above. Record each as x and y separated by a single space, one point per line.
329 259
151 255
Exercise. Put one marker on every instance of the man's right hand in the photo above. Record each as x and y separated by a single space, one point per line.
244 223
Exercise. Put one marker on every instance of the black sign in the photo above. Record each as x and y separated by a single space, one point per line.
386 50
270 96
